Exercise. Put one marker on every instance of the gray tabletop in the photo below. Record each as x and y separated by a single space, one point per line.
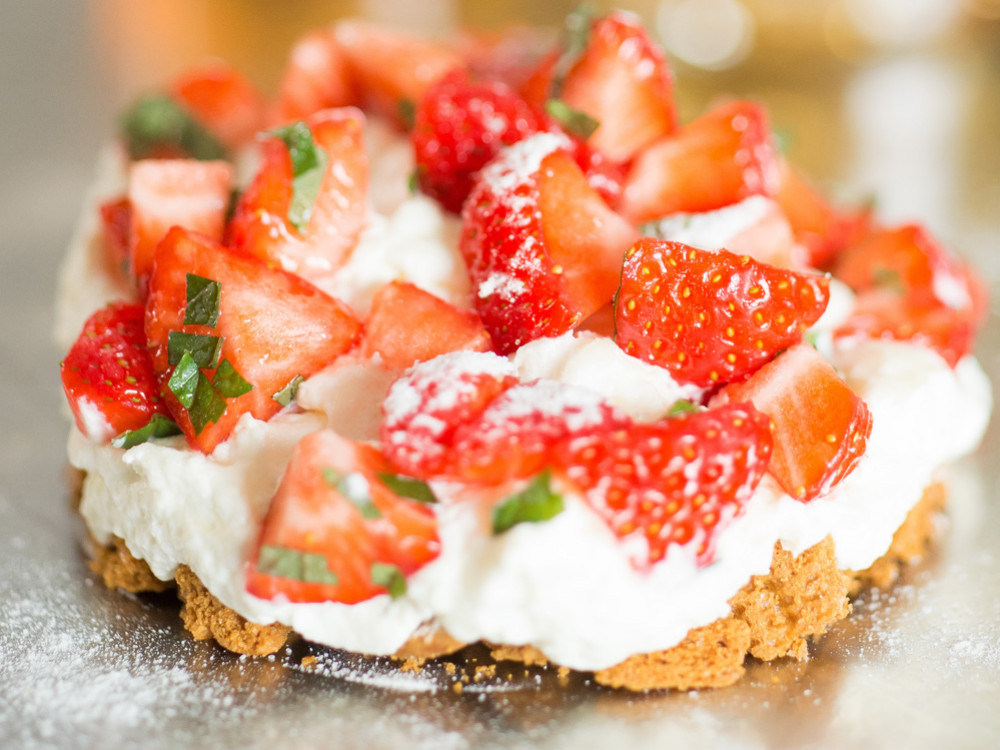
915 667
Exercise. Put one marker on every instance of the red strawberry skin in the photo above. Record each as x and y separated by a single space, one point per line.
542 248
109 370
722 157
223 100
315 77
673 482
310 515
275 326
711 317
820 426
431 401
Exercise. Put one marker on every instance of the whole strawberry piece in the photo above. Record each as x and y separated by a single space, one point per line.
543 249
342 527
431 400
711 317
460 126
108 374
673 482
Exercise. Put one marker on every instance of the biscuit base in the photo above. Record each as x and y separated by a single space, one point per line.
773 616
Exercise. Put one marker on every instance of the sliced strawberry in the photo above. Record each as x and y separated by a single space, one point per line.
177 192
711 317
426 406
108 375
116 224
271 327
391 70
677 481
307 222
222 100
542 248
335 531
316 77
820 426
408 325
818 226
516 435
460 126
720 158
884 314
620 79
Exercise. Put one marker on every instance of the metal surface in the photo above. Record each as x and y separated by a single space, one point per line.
918 667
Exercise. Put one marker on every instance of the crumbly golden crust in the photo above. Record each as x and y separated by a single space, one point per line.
773 616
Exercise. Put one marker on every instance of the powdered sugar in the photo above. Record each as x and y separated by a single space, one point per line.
520 162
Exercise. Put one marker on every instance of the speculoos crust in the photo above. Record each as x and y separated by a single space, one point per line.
772 617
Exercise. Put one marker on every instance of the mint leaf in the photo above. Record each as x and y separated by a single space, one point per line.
204 350
576 35
682 407
287 394
184 380
389 576
308 167
202 301
156 124
410 487
159 426
574 121
285 562
228 382
536 502
407 111
353 487
208 405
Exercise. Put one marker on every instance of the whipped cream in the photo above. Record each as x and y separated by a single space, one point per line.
564 586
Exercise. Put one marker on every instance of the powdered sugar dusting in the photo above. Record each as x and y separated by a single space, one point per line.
517 164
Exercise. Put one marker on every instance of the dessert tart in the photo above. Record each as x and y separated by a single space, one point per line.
466 342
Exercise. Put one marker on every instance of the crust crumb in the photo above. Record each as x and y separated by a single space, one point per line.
527 655
206 617
909 543
800 597
711 656
484 672
308 661
429 643
119 569
412 664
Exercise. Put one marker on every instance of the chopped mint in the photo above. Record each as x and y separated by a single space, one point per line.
285 562
354 487
157 124
204 350
389 576
228 382
811 337
574 121
184 381
414 489
536 502
407 111
682 407
202 301
413 182
308 167
287 394
576 35
888 278
159 426
208 405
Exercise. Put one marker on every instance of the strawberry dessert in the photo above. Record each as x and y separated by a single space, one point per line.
445 344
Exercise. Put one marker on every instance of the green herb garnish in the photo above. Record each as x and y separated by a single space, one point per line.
291 563
157 124
682 407
184 381
535 503
204 350
287 394
159 426
389 576
414 489
208 405
308 166
202 301
576 35
228 382
407 111
354 487
574 121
